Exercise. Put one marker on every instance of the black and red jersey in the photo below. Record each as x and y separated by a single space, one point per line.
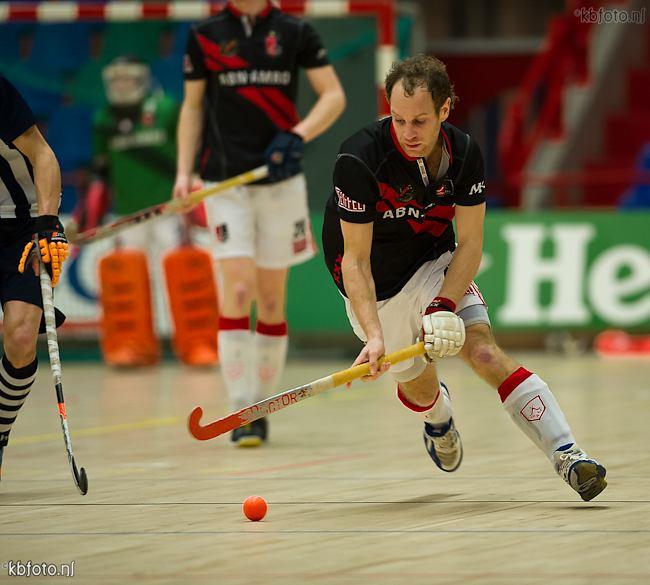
376 181
251 68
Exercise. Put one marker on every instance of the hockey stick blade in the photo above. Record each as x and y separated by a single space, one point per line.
80 478
289 397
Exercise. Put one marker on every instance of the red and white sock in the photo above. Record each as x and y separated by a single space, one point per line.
235 349
535 411
436 413
271 342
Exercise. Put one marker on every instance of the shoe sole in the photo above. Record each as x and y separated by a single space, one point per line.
590 479
247 442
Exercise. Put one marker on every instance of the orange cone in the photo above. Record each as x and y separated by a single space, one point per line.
193 303
126 327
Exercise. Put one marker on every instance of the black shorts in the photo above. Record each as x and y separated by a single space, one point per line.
14 286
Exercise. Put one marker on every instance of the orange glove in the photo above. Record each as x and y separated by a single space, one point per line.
52 245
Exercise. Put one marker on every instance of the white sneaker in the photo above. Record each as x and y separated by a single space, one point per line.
444 445
584 475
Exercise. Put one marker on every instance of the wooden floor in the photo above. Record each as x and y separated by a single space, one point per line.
353 497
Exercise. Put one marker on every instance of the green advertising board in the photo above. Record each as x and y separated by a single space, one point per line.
541 271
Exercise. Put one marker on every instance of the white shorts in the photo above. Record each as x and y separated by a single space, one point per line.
269 223
401 316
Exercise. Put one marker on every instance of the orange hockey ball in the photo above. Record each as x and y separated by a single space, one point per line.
255 508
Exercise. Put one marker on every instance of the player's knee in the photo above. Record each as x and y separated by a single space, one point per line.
421 396
241 293
483 354
20 344
421 390
270 305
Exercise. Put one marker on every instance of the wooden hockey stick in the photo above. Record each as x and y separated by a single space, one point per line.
289 397
169 207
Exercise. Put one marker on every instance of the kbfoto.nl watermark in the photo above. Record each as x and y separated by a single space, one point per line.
32 569
603 15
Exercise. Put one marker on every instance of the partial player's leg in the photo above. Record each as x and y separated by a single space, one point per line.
236 347
534 409
418 387
18 364
20 294
270 339
271 331
231 220
430 398
282 239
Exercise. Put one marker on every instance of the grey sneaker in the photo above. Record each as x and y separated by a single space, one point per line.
584 475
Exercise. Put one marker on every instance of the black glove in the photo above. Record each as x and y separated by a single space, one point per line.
283 155
52 245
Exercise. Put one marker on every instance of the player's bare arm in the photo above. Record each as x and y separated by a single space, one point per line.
47 182
467 256
47 176
190 125
360 288
329 105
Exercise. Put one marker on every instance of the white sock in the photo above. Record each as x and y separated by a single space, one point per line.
535 411
438 413
236 359
271 342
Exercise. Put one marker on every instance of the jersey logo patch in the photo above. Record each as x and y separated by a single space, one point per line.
405 193
349 204
446 189
272 44
477 188
299 236
228 48
534 409
222 232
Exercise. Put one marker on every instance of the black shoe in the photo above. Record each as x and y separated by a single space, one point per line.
251 435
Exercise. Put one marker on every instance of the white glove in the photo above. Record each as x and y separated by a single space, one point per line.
444 334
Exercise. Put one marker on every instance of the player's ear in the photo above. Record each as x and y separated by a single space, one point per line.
445 109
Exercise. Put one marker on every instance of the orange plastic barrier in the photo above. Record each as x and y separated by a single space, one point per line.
619 344
193 302
127 335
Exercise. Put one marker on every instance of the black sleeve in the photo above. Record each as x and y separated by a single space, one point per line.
193 63
470 188
356 189
311 52
15 115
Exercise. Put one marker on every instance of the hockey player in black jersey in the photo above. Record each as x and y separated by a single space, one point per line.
241 79
405 273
